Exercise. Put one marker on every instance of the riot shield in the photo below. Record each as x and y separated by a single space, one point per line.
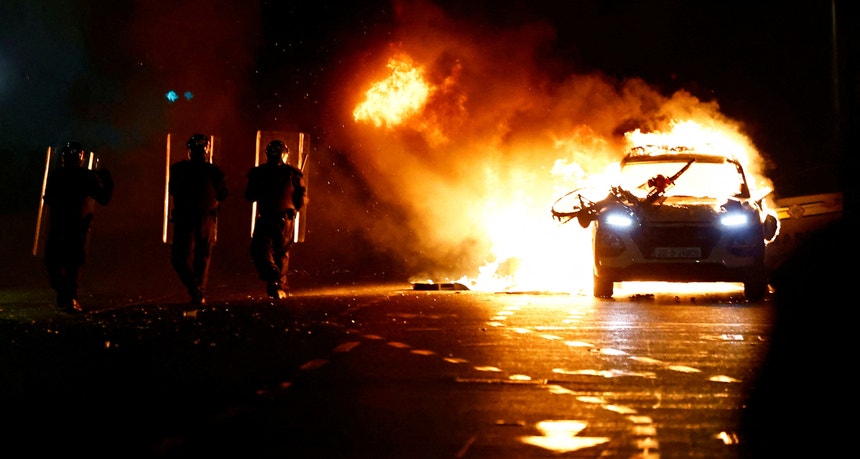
299 145
167 218
40 215
168 201
91 162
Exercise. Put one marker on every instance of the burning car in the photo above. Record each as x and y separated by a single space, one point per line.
676 215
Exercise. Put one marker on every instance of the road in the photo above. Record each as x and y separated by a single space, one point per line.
387 371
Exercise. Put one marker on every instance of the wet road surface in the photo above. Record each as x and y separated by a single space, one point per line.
384 371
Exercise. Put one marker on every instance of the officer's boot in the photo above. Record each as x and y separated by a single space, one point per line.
273 289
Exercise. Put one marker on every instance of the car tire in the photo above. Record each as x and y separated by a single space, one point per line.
603 288
755 289
756 280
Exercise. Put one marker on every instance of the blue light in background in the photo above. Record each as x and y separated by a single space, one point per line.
173 96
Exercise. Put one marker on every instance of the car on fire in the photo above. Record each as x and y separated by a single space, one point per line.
677 215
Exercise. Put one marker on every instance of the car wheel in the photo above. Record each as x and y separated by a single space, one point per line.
603 288
755 289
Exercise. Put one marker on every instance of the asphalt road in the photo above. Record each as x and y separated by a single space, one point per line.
384 371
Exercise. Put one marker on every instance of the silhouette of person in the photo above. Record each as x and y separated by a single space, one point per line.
70 193
280 192
198 187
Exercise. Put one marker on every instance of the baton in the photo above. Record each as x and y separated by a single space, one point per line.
41 203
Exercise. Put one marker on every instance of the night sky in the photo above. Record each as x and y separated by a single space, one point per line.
98 72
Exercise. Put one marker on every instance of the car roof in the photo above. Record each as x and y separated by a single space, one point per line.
673 154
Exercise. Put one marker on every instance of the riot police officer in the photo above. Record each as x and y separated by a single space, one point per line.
198 187
279 190
70 193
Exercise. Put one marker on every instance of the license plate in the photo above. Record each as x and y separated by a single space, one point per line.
677 252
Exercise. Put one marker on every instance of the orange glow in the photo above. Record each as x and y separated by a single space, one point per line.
391 101
482 202
705 136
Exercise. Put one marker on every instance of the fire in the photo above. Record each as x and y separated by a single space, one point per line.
391 101
704 138
501 196
697 136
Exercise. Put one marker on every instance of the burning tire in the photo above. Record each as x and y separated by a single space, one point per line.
603 287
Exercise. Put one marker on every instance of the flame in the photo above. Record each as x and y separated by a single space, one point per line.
499 196
706 138
391 101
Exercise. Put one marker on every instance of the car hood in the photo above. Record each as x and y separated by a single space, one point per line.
703 210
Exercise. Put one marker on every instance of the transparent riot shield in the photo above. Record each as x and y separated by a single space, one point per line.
91 162
166 227
36 240
299 145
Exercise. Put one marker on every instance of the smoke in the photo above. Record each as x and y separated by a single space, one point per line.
515 119
506 114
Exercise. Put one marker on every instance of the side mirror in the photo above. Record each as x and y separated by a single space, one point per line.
770 227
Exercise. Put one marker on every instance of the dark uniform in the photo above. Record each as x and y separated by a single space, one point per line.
279 191
70 193
197 187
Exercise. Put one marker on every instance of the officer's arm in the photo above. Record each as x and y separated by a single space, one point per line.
301 193
104 187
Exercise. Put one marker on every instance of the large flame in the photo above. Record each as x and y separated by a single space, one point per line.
478 151
397 97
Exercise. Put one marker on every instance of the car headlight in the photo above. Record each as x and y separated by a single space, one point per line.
619 220
735 219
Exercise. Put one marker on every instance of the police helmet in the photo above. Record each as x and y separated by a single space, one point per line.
72 155
198 142
277 150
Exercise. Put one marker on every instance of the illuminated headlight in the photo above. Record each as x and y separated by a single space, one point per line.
734 219
618 220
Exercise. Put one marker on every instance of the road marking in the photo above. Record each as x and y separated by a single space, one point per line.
561 436
346 347
465 448
488 368
684 369
578 344
313 364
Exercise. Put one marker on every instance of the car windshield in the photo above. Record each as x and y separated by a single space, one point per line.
702 179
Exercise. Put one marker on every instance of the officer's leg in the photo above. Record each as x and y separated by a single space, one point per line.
262 250
285 243
54 269
181 258
203 253
75 260
57 255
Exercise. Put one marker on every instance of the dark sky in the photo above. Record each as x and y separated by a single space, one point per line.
97 71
